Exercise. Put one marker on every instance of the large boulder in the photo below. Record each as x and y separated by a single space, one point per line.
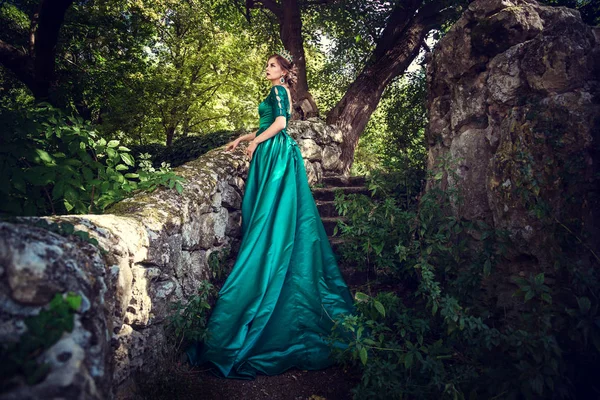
514 99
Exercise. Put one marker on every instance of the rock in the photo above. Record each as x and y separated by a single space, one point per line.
514 90
311 172
332 158
310 150
78 363
231 198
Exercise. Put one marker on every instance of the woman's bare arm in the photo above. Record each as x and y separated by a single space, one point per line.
277 126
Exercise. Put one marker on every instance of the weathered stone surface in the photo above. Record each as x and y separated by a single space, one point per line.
332 158
80 365
311 172
310 150
231 198
157 248
514 98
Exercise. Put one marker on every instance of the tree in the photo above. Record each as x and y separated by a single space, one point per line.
34 62
397 32
289 20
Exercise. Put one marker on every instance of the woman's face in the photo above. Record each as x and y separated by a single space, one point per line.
273 70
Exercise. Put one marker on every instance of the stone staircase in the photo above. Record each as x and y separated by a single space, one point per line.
324 197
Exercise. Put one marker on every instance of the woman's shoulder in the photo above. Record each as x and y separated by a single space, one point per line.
277 89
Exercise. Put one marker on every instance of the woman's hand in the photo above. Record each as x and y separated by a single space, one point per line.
232 145
250 149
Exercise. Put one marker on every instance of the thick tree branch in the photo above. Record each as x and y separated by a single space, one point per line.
397 47
18 62
396 24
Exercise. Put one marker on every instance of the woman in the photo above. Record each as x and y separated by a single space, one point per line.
276 306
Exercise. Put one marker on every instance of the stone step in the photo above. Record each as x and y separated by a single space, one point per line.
341 180
330 223
326 208
328 193
336 242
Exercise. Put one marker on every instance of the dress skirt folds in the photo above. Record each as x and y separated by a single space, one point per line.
277 305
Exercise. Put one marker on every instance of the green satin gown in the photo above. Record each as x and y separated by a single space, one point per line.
277 305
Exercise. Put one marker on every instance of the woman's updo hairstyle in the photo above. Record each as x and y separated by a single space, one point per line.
291 76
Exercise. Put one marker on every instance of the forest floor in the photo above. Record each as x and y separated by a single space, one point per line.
180 382
177 383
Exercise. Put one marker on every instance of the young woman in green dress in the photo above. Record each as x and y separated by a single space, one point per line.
278 304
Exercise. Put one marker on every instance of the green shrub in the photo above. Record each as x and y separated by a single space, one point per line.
187 321
52 163
441 335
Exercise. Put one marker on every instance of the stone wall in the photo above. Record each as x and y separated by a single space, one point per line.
515 99
158 247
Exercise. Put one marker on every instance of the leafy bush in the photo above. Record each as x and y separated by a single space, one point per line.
441 334
153 149
394 139
187 322
55 164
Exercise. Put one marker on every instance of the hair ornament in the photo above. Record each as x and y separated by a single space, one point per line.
286 54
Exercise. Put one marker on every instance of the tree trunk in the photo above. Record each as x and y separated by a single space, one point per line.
170 135
290 30
36 70
396 49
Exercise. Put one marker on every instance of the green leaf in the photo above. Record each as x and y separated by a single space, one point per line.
113 144
67 228
113 154
74 301
68 205
363 355
547 298
487 267
380 308
539 279
128 159
179 188
44 156
87 173
132 175
529 295
408 360
121 167
58 190
361 297
123 148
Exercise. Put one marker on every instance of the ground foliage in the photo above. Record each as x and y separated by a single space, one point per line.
440 332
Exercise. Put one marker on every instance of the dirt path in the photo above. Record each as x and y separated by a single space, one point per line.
329 384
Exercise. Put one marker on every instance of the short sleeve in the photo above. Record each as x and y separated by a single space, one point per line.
278 97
